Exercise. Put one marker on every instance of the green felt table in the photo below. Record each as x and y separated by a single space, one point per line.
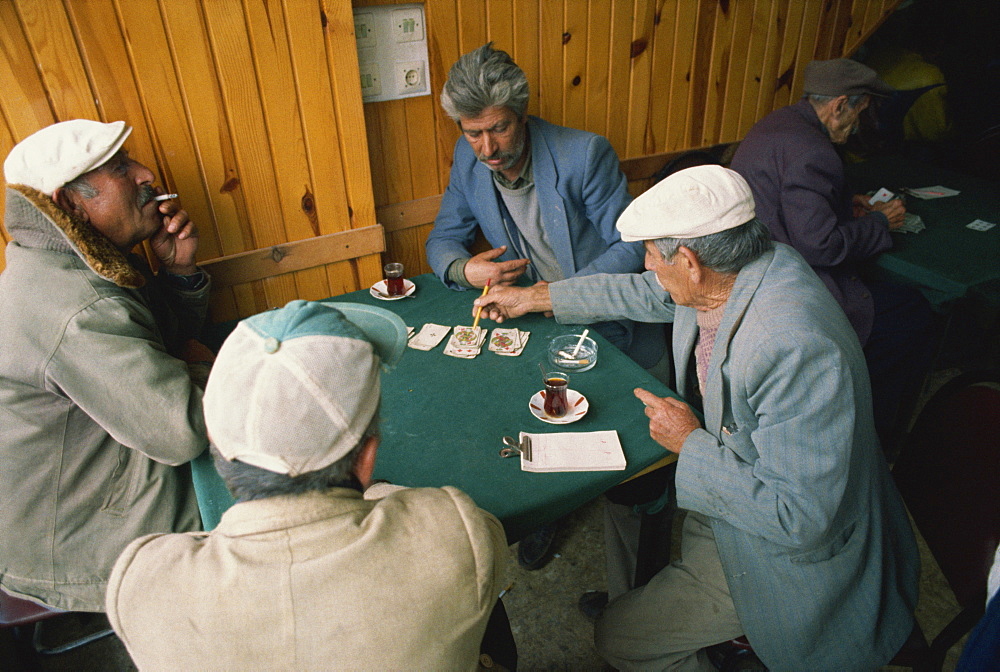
947 261
443 418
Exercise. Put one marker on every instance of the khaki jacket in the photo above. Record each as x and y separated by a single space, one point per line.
320 581
94 411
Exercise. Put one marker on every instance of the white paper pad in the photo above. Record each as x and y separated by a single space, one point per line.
574 451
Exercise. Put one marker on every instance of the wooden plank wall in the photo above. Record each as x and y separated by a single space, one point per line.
654 76
250 110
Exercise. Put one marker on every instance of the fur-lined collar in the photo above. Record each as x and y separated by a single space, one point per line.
34 220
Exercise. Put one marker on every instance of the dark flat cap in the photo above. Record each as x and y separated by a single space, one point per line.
843 77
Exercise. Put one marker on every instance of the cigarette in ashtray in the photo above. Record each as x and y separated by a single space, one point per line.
567 358
164 197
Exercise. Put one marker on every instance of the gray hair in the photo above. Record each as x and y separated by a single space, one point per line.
82 186
81 183
247 482
485 77
726 251
819 100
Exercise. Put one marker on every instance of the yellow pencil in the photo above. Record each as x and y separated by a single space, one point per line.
479 311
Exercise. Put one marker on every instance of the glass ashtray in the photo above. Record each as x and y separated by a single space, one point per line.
564 354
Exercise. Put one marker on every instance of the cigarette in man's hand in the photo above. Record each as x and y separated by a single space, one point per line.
164 197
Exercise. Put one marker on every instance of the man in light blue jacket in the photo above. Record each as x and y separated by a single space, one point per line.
795 535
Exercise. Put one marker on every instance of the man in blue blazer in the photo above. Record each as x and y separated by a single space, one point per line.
795 535
546 197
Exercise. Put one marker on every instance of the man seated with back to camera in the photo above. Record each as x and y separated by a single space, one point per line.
304 571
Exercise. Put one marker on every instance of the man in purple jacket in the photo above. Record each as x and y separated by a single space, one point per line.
790 160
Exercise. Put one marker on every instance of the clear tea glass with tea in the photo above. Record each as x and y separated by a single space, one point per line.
556 386
394 285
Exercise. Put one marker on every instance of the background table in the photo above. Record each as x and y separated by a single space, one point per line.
443 418
947 260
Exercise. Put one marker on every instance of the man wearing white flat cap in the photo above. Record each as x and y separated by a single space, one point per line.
96 408
795 535
304 572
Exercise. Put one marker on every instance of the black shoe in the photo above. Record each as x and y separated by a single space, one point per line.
533 551
592 604
735 656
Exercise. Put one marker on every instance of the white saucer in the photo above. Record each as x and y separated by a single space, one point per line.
578 405
380 286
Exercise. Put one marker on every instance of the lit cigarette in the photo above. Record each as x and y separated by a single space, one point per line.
164 197
507 589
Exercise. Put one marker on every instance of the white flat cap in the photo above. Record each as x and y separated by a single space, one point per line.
57 154
690 203
293 389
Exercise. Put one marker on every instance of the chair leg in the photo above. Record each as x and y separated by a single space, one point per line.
36 641
954 631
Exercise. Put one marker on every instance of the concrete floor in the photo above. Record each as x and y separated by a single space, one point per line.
551 634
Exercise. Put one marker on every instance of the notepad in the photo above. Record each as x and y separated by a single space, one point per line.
574 451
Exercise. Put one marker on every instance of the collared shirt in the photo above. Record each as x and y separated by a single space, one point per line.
524 178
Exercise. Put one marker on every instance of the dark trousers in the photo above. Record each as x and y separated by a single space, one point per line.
898 354
498 647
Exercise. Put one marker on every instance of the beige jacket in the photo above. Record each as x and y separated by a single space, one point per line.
320 581
94 410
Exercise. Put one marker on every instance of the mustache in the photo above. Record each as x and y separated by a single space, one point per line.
145 195
499 154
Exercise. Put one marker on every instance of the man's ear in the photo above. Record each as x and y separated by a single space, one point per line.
839 105
364 462
70 202
689 262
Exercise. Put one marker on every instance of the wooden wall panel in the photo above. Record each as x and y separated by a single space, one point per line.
250 110
664 19
653 76
575 47
596 77
678 79
643 15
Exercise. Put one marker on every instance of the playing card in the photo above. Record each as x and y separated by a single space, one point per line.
911 224
883 195
509 344
980 225
428 336
928 193
465 342
504 340
467 336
